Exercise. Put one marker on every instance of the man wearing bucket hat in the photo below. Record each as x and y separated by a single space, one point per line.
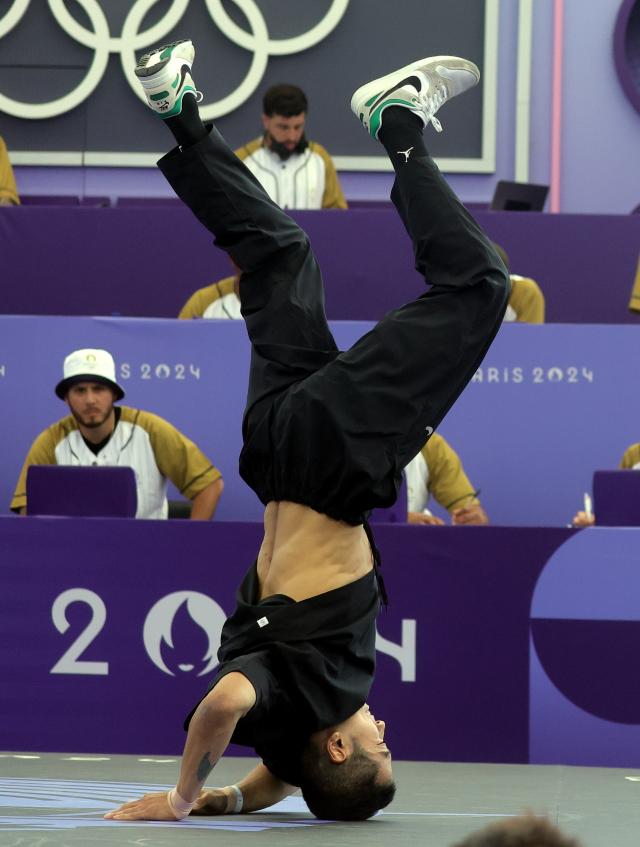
99 433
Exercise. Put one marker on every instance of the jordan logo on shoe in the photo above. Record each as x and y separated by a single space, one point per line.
405 153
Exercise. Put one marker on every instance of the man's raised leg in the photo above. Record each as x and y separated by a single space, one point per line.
204 172
439 340
379 401
281 291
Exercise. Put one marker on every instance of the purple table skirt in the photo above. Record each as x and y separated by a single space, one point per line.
499 645
147 260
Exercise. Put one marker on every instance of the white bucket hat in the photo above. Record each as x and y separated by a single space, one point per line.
89 365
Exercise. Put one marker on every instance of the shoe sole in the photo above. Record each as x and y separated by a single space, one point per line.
380 85
143 71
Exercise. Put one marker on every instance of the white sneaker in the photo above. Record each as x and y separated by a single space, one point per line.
165 75
421 87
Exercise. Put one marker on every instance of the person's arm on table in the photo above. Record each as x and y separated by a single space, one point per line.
204 504
471 515
450 485
259 789
181 460
210 731
424 518
41 452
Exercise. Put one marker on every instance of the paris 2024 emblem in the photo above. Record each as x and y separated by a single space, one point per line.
182 631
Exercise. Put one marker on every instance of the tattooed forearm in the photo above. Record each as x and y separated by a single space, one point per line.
205 767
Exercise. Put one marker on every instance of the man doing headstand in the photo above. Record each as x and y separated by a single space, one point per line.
326 436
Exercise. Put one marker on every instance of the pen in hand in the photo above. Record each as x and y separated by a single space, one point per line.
586 517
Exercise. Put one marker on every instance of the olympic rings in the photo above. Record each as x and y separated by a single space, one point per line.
282 47
13 16
99 39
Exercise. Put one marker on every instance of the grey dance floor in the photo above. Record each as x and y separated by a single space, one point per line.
59 799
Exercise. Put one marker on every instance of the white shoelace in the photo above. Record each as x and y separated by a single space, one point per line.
431 102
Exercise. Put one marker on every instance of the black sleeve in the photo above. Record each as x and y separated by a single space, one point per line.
255 668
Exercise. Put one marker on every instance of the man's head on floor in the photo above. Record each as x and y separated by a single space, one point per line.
284 111
347 772
522 831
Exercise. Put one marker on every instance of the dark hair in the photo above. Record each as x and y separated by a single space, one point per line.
285 100
348 791
523 831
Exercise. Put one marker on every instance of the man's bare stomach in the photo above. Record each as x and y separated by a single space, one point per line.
305 553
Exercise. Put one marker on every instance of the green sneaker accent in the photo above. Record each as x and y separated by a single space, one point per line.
159 96
167 52
177 108
372 99
375 119
175 81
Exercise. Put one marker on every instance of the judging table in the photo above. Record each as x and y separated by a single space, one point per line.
548 406
108 261
500 644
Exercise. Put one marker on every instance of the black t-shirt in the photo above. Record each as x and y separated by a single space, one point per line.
311 664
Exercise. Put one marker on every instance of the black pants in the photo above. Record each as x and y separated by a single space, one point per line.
327 429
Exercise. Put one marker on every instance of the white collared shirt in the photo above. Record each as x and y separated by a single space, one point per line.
297 183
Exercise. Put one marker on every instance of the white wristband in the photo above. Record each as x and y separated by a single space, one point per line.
179 807
235 800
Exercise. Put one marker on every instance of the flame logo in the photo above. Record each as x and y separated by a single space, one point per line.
158 627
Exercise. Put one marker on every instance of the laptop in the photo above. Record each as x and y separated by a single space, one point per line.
616 498
90 492
519 197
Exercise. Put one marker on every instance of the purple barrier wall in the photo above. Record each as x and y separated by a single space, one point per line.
96 261
193 373
549 405
464 674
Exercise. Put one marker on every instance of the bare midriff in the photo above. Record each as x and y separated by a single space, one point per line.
305 553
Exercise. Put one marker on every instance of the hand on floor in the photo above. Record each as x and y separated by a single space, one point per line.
211 802
151 807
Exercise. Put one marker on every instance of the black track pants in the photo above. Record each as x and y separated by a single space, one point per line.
334 430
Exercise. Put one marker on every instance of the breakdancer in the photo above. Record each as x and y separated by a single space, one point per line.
325 438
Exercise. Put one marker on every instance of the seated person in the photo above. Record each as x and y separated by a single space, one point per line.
630 462
99 433
526 301
521 831
634 302
220 300
8 191
295 173
437 470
